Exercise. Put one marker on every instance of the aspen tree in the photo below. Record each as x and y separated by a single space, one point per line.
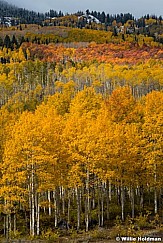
153 134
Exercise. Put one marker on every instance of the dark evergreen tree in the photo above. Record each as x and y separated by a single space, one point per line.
7 42
1 41
22 40
102 17
52 14
14 42
87 12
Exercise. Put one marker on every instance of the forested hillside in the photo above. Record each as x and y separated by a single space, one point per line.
12 17
80 131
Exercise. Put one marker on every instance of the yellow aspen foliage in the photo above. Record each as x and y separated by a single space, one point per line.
21 55
62 98
86 102
153 135
121 104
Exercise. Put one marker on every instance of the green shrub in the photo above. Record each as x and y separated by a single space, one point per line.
142 221
50 235
156 222
98 234
15 234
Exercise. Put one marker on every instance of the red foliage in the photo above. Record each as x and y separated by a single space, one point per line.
114 53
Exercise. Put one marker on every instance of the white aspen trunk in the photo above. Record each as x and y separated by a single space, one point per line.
30 211
78 208
110 190
141 199
44 210
68 208
36 204
7 227
87 202
4 227
14 223
73 195
60 192
63 201
122 201
5 221
132 202
155 189
102 209
99 211
107 200
155 201
49 201
55 209
118 193
38 218
86 216
29 169
32 202
93 201
80 193
10 225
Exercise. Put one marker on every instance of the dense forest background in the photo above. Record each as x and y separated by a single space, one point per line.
80 123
